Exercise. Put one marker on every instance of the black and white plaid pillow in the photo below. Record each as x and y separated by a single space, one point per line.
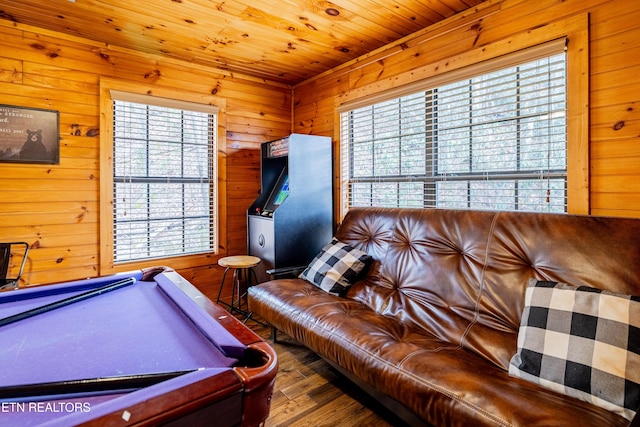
583 342
336 267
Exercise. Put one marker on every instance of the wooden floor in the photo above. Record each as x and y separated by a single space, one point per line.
309 392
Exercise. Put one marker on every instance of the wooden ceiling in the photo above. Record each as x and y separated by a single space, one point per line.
286 41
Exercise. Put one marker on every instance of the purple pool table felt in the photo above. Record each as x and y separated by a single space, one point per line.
144 328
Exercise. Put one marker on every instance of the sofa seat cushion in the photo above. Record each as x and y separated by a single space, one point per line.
441 382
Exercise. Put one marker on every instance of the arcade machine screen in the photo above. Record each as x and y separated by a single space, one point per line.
278 194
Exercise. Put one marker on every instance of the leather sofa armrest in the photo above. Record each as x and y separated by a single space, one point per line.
278 273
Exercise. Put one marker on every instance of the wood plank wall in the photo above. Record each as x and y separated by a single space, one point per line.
614 69
55 208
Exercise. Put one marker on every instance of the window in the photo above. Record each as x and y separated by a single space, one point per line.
164 178
491 140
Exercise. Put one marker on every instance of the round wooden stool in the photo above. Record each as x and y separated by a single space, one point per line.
243 277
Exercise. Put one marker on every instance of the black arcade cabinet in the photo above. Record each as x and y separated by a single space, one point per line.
292 218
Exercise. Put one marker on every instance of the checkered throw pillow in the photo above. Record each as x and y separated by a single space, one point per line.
583 342
336 267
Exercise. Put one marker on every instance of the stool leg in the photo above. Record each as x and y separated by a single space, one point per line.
224 275
242 279
237 283
251 272
233 290
255 278
242 287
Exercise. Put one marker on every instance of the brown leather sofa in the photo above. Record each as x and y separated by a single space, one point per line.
433 324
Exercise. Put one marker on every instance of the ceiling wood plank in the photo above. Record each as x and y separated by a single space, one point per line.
285 41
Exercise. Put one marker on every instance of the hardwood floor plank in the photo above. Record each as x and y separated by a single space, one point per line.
336 413
309 392
304 386
281 414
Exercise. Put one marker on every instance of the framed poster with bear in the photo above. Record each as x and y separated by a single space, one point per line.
29 135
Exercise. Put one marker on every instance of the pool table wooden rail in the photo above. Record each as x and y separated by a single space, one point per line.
259 367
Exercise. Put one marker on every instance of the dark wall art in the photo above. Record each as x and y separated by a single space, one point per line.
29 135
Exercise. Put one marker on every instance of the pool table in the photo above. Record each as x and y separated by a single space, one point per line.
137 348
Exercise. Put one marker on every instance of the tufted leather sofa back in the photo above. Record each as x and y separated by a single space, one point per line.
461 275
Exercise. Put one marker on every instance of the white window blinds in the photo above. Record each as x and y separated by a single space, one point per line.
495 140
164 179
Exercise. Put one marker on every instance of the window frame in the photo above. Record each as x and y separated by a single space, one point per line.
572 31
169 98
375 125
